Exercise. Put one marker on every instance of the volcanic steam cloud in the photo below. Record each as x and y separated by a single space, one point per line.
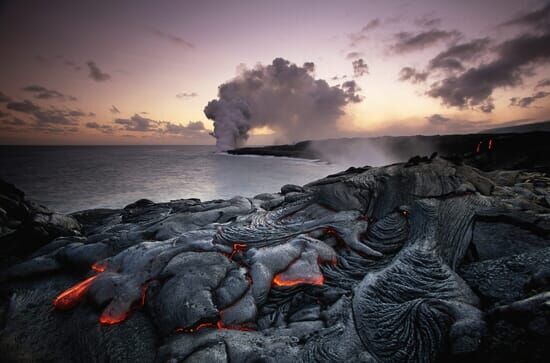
283 96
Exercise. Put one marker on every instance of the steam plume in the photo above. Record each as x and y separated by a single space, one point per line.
281 95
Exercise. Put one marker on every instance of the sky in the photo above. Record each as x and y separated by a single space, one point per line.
142 72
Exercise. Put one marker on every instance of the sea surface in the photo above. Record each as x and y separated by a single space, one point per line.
73 178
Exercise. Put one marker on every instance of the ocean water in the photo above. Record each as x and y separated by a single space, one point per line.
73 178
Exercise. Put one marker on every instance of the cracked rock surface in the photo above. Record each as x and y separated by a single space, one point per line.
421 261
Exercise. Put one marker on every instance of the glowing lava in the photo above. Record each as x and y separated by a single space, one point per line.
221 326
236 248
478 148
490 147
98 267
72 296
279 280
107 319
143 294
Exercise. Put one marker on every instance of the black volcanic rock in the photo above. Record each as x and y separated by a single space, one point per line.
428 260
26 226
509 151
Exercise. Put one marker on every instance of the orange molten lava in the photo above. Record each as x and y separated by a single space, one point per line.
72 296
98 267
143 294
196 328
279 280
478 148
236 248
220 325
107 319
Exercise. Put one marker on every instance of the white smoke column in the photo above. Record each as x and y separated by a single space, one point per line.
283 96
232 123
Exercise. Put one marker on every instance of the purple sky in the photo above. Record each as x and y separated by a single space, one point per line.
141 72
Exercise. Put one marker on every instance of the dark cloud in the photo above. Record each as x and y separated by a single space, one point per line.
428 21
173 38
409 42
351 90
192 127
354 55
253 99
412 75
309 66
538 19
445 124
14 122
114 109
360 68
361 36
527 101
41 116
138 123
4 98
96 74
474 87
186 95
44 93
452 58
543 83
107 129
437 119
23 106
72 65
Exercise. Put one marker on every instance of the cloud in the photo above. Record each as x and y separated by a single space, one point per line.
428 21
527 101
186 95
4 98
114 109
360 68
452 57
361 36
72 65
14 122
445 124
354 55
437 119
474 87
47 118
543 83
408 42
173 38
43 93
138 123
96 74
537 19
254 97
190 128
107 129
374 23
412 75
25 106
309 66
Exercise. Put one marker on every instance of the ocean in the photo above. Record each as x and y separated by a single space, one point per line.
72 178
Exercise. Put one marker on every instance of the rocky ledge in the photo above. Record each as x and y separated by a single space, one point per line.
429 260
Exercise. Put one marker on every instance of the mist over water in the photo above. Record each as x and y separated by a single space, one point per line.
72 178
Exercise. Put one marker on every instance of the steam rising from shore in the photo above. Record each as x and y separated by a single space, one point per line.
283 96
